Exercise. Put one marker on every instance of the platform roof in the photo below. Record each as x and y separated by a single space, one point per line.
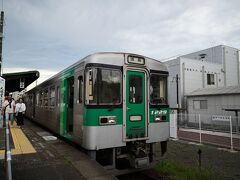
12 80
215 91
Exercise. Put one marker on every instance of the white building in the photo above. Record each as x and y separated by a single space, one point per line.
214 100
213 67
209 102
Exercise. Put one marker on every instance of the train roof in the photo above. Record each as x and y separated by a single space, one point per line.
112 58
117 58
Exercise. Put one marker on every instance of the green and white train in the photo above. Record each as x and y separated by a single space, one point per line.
114 105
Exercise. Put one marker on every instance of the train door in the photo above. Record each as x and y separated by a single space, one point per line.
136 105
70 102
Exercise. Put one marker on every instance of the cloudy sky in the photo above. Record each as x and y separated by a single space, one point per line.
49 35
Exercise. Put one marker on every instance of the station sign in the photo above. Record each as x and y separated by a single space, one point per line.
136 60
220 118
22 83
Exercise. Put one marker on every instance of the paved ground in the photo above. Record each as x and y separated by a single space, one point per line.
2 139
224 164
54 160
58 160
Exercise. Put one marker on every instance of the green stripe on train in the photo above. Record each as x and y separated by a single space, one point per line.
154 111
91 116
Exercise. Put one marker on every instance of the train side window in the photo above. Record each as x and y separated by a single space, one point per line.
80 89
58 96
52 96
45 97
41 98
158 89
28 100
37 99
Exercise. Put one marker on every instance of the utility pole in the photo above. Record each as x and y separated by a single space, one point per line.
1 39
177 91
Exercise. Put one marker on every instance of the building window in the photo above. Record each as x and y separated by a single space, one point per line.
200 104
210 79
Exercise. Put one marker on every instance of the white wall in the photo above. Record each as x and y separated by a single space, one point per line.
226 56
223 61
173 67
190 77
238 67
194 75
213 54
215 104
231 66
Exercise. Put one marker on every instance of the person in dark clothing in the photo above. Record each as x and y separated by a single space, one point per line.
20 111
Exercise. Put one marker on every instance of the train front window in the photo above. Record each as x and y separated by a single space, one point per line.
135 89
109 86
158 89
103 86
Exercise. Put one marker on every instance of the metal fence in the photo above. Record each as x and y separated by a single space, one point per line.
8 158
208 122
219 130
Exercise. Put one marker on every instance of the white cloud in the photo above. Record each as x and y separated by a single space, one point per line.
53 34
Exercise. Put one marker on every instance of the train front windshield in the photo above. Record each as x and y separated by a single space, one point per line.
158 89
103 86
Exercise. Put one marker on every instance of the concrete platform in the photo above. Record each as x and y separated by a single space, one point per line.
2 140
39 155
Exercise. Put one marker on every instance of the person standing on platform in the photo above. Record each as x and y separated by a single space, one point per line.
3 111
1 116
20 111
9 109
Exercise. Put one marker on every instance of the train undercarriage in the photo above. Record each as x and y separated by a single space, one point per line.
135 155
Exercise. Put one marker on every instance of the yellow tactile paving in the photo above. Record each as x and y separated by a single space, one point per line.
2 152
21 142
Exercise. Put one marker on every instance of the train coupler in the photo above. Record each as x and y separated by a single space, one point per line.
139 162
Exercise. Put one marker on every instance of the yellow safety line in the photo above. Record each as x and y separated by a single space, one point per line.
21 142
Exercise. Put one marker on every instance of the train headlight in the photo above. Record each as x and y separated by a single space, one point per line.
161 116
112 120
107 120
157 118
